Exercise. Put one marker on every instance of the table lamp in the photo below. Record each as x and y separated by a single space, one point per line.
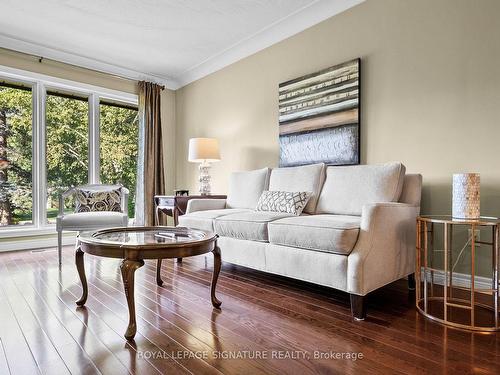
204 151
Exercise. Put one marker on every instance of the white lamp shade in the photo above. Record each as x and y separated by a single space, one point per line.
203 149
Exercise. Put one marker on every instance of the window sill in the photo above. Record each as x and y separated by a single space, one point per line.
28 231
31 231
41 240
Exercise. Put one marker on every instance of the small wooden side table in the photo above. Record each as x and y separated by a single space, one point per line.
176 205
441 294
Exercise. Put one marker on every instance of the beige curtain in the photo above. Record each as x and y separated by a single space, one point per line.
150 160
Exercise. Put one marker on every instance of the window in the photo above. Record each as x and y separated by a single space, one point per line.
118 134
55 134
67 146
16 117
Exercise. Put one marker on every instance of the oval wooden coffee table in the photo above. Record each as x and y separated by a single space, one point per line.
134 244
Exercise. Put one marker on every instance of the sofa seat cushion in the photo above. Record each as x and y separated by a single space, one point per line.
204 220
92 220
329 233
247 225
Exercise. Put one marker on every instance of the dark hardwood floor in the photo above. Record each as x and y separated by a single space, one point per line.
264 320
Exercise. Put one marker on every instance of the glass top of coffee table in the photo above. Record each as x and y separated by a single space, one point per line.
143 236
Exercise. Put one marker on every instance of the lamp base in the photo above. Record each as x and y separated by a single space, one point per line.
204 178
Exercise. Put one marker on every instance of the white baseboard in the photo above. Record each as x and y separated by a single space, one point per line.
36 243
463 280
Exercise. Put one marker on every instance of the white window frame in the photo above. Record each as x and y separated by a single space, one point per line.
40 84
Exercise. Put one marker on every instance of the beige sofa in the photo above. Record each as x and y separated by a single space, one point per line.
356 233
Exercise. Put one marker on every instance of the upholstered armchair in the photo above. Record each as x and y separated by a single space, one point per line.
97 206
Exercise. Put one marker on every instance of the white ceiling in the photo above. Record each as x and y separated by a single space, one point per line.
169 41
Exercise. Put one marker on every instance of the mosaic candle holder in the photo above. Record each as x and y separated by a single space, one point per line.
466 196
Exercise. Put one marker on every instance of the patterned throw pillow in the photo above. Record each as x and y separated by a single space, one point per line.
283 201
91 200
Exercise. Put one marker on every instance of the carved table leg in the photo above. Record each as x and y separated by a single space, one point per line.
159 281
80 266
128 268
175 215
215 276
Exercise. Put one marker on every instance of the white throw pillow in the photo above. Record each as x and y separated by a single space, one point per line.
283 201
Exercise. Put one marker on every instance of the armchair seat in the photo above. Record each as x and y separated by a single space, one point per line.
91 220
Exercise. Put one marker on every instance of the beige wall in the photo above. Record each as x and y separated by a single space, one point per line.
69 72
430 94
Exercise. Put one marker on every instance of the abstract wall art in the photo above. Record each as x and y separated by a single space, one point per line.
319 117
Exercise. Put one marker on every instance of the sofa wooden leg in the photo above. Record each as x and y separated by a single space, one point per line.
358 307
411 281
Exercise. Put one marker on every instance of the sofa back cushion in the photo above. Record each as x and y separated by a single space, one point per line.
308 178
347 189
245 188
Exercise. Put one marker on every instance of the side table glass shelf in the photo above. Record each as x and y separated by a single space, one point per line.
463 300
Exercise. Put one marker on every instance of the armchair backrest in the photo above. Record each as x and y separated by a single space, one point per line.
97 188
105 187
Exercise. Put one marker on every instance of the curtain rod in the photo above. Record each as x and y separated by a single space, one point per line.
40 59
162 87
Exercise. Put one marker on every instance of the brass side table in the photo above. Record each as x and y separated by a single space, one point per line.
440 294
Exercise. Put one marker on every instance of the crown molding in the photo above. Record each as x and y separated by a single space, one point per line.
35 49
284 28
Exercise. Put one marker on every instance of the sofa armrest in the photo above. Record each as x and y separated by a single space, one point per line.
385 250
205 204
